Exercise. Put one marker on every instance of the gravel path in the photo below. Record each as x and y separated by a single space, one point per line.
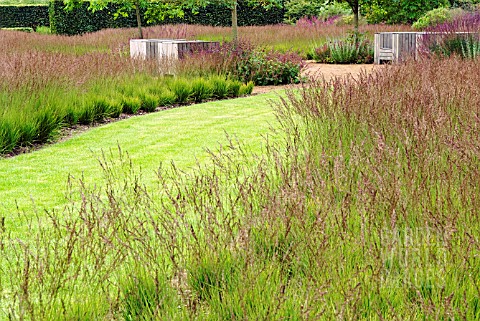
329 71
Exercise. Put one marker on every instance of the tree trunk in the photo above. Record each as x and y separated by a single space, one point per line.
355 6
356 11
234 24
139 20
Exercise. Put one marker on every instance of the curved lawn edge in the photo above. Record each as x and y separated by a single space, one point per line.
181 135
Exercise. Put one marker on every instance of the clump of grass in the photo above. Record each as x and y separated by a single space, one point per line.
353 49
147 296
115 106
131 104
233 87
149 101
167 97
213 274
246 89
220 87
182 90
9 137
201 90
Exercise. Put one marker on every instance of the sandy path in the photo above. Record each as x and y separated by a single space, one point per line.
329 71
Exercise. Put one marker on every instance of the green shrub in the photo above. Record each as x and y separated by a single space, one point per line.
400 11
269 67
43 30
435 17
297 9
347 20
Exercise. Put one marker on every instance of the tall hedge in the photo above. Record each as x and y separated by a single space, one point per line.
81 20
23 16
248 15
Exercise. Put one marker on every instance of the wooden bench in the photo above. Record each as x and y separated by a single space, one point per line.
168 48
397 46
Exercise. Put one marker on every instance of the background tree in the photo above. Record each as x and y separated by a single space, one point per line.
158 10
400 11
155 10
233 5
355 6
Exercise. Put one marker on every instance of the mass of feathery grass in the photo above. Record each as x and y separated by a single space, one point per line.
368 209
43 91
50 82
298 38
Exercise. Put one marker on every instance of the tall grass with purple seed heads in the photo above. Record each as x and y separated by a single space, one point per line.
43 90
460 36
367 209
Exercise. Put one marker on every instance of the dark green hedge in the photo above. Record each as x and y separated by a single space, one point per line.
23 16
81 20
247 16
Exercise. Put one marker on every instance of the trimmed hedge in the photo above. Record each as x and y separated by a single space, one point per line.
215 15
81 20
23 16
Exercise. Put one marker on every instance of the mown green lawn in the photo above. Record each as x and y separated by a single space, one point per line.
181 135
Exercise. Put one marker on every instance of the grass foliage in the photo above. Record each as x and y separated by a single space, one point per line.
39 118
52 82
368 209
42 92
353 49
458 36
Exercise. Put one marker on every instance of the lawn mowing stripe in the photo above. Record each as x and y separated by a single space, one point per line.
180 135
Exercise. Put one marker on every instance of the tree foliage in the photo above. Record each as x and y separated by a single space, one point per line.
400 11
155 10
